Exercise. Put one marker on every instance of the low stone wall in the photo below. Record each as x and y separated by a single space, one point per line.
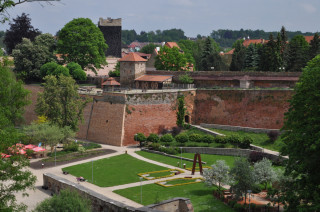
237 128
101 203
168 155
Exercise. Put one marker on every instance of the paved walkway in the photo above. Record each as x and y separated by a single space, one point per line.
38 194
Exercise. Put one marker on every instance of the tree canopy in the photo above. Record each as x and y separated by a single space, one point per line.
20 28
60 102
302 138
170 59
298 53
81 41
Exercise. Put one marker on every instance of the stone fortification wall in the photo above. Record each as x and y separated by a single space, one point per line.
246 108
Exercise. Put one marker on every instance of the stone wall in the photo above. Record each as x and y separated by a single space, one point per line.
101 203
246 108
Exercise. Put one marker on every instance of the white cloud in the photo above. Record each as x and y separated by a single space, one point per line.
309 8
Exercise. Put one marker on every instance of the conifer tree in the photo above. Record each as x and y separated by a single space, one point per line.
251 57
314 46
270 56
298 53
238 57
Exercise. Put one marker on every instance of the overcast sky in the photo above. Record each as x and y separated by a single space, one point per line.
192 16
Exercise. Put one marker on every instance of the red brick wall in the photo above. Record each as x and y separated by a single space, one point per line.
247 108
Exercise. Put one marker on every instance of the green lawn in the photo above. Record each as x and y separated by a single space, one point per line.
210 159
117 170
200 196
259 139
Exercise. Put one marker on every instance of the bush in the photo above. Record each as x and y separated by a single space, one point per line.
186 126
140 137
154 138
245 142
232 203
89 145
182 138
255 156
29 152
170 150
195 137
167 138
207 139
76 71
273 135
71 147
176 131
233 139
256 189
220 139
185 79
115 73
155 146
238 207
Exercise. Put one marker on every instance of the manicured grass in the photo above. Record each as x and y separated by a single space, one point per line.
117 170
199 194
180 181
259 139
160 174
210 159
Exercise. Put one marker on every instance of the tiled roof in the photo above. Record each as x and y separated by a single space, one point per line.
247 42
110 81
153 78
308 38
230 52
132 57
172 44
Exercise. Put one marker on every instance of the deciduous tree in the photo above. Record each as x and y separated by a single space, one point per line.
301 136
264 173
60 102
171 59
81 41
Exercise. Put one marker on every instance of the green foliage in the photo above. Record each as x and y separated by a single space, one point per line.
301 136
30 56
210 58
116 71
148 49
71 147
270 59
20 28
181 111
185 79
219 174
298 53
195 137
207 139
251 58
238 57
66 200
264 173
76 71
13 96
170 59
154 138
52 68
314 49
60 102
182 138
140 137
167 138
81 41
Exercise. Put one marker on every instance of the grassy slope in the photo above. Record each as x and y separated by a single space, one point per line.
198 193
117 170
259 139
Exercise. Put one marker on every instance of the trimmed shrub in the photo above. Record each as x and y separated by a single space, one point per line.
186 126
140 137
220 139
182 138
155 146
195 137
154 138
255 156
76 71
256 189
273 135
233 139
167 138
71 147
207 139
245 142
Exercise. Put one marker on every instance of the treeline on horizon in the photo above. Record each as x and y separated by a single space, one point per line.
224 37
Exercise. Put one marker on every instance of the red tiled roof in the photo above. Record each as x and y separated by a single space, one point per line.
132 57
247 42
110 81
308 38
172 44
143 54
230 52
153 78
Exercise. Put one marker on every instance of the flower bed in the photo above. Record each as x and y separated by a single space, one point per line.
179 181
158 174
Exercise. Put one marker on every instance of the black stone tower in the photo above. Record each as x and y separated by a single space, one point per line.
111 29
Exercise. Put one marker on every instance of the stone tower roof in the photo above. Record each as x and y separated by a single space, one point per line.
132 57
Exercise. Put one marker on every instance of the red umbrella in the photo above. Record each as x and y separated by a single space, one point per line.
18 145
5 155
30 146
22 152
38 149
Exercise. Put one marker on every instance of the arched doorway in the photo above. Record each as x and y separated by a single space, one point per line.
187 119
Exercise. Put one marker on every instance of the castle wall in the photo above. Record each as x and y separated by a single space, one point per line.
247 108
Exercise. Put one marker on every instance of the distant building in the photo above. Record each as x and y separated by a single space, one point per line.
111 29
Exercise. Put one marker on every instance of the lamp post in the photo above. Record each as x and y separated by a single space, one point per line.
181 156
55 156
141 190
249 191
92 172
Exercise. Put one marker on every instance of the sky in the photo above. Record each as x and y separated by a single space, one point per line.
192 16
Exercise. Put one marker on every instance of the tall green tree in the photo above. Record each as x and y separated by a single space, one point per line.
81 41
30 56
170 59
20 28
210 58
302 138
181 112
283 47
298 53
270 59
14 176
251 61
148 49
67 200
60 102
314 46
238 57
